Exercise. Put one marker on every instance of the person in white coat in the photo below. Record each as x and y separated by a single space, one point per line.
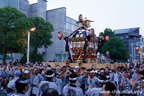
71 89
47 84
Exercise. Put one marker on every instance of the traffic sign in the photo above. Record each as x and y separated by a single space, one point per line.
107 56
139 43
107 52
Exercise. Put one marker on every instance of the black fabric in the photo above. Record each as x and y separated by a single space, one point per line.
72 85
33 95
9 90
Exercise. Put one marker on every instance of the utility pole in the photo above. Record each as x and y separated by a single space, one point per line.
132 52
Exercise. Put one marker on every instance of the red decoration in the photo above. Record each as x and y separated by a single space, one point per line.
95 56
92 32
9 67
59 35
72 49
80 18
106 38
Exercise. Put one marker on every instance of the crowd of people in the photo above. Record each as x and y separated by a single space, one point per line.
43 80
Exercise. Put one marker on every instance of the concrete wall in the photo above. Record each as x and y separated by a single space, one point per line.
56 18
33 12
12 3
24 7
3 3
41 9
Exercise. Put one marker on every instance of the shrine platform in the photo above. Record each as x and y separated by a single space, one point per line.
86 65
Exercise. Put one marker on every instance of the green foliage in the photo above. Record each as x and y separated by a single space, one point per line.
102 35
117 49
13 26
109 32
35 56
23 59
42 35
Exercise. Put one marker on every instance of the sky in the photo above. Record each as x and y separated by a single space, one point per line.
113 14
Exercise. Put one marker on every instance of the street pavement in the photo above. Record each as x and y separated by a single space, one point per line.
2 94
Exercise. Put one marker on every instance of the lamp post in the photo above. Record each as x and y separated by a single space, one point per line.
31 30
61 56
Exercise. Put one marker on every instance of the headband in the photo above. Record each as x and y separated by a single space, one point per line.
72 79
102 71
96 71
23 82
102 81
50 75
92 71
26 72
107 76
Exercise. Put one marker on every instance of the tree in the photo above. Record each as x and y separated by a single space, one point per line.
102 35
13 26
41 36
109 32
116 48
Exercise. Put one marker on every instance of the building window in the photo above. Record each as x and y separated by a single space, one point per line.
69 26
73 28
73 22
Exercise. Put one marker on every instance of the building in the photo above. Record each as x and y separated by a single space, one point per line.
12 3
63 24
57 17
142 49
130 37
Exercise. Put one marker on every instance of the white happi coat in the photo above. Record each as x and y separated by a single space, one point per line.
44 85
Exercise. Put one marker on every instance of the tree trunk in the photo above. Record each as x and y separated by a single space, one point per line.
4 57
4 51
